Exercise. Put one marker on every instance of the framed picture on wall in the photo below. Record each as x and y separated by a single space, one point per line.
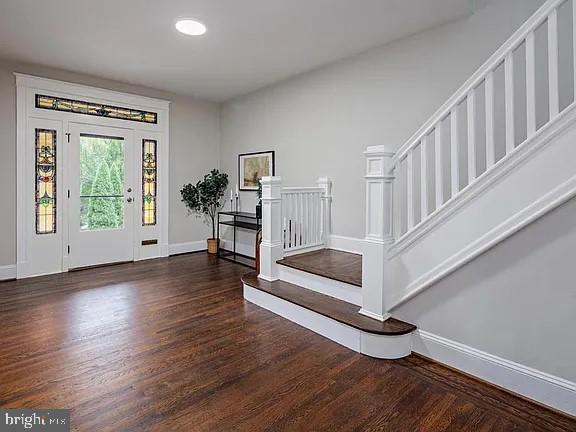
252 167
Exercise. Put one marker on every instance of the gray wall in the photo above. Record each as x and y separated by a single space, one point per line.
516 297
194 142
320 123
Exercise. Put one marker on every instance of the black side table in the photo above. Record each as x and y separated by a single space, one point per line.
244 220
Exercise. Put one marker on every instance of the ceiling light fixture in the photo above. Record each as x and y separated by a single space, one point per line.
190 27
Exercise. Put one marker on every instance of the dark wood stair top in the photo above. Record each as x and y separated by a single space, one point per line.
341 266
339 310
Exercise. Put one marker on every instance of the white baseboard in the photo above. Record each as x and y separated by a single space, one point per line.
333 288
7 272
180 248
531 383
379 346
345 244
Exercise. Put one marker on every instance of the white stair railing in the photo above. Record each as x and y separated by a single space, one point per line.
294 219
409 189
305 216
427 179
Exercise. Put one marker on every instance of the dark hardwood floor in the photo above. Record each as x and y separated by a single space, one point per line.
170 344
330 263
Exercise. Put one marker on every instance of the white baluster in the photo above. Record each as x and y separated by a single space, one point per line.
553 63
471 107
302 221
455 151
424 178
317 219
297 219
490 144
509 95
410 188
530 84
439 169
306 198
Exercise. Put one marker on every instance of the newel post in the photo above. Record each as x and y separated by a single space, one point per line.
271 248
379 230
326 184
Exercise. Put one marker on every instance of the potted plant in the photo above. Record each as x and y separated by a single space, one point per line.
205 199
259 205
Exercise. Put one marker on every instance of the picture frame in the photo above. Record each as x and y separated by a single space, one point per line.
253 166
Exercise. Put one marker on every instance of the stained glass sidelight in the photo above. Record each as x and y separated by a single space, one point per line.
149 163
45 181
94 109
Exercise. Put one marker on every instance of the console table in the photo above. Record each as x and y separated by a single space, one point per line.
244 220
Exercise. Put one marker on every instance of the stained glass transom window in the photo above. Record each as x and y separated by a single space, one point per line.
94 109
149 164
45 181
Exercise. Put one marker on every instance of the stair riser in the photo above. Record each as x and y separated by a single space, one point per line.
373 345
340 290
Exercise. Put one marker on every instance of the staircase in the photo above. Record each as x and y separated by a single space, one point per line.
318 288
322 290
497 156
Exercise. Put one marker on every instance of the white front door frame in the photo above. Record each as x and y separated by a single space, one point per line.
149 241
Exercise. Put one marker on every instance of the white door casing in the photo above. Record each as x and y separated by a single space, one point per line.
48 253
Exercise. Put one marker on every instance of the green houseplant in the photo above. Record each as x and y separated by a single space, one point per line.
205 199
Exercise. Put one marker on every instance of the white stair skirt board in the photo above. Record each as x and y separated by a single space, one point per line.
373 345
7 272
531 383
340 290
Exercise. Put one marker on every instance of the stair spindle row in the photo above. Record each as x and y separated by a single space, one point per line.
468 101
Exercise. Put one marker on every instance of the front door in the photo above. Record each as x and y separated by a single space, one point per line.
101 210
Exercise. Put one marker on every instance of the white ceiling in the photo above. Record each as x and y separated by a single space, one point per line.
249 43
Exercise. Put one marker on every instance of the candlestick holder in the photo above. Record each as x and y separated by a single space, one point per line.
236 209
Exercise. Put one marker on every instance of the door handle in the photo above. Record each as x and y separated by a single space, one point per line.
129 200
129 190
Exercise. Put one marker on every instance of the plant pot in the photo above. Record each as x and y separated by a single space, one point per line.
259 211
212 246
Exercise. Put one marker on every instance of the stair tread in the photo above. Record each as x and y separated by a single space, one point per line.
337 265
339 310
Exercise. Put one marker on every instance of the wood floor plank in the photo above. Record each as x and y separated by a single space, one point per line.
171 345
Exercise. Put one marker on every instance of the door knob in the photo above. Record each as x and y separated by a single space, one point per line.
129 200
129 190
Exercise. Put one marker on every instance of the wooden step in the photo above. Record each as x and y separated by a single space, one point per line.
340 266
330 307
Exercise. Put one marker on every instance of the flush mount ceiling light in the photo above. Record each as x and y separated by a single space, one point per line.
190 27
